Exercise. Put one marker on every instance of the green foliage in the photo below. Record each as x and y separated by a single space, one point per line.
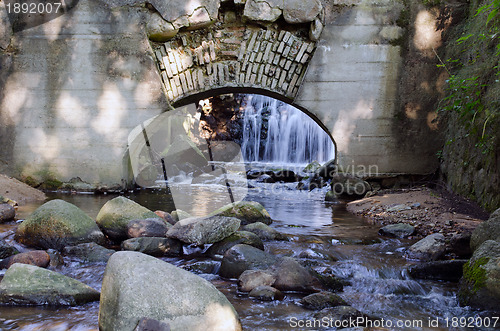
472 71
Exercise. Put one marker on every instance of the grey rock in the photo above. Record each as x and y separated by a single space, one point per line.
158 29
251 279
206 230
264 231
339 313
328 170
291 276
299 11
312 167
399 230
137 286
56 224
331 196
264 11
400 207
479 285
430 248
244 257
218 249
266 293
178 215
25 284
114 216
156 246
321 300
150 227
489 230
450 271
89 252
7 212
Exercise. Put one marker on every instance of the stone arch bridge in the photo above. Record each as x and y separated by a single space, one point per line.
73 88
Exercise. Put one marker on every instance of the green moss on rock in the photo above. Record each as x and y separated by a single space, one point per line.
475 275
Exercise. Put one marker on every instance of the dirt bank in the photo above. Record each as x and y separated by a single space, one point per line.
18 191
428 210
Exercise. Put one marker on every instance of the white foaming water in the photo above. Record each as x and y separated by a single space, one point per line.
292 136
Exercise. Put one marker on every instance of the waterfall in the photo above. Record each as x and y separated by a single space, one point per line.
274 131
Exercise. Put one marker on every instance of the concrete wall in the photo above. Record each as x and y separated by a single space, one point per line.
72 89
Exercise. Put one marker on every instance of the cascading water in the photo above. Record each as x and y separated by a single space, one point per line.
276 132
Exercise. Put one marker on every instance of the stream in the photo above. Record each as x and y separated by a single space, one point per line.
324 234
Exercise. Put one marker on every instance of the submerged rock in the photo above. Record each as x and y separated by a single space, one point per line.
36 258
246 211
7 212
430 248
204 230
479 286
150 227
399 230
340 313
322 300
56 224
25 284
90 252
264 231
489 230
266 293
450 271
244 257
6 250
137 286
156 246
218 249
115 215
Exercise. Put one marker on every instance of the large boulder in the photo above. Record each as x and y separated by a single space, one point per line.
246 211
244 257
204 230
156 246
479 286
7 212
430 248
137 286
25 284
218 249
489 230
56 224
328 170
115 215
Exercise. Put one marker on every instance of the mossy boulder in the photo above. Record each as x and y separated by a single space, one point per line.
25 284
247 211
312 167
7 212
56 224
115 215
204 230
156 246
264 232
480 284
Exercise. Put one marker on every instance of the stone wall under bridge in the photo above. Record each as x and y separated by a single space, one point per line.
72 89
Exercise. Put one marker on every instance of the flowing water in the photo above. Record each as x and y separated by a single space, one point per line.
323 234
289 135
